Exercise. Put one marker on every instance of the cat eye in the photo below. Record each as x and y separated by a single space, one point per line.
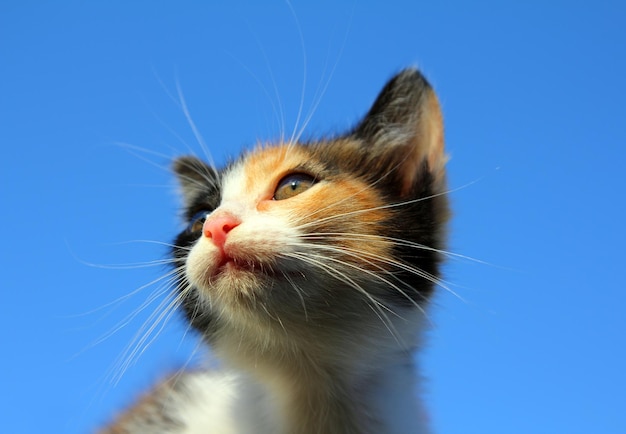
197 221
292 185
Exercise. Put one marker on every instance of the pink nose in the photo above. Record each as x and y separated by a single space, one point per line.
218 227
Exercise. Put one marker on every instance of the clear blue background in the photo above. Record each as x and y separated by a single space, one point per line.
533 95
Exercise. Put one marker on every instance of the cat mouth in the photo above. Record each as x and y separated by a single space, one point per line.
230 266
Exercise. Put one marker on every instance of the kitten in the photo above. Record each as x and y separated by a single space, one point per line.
308 267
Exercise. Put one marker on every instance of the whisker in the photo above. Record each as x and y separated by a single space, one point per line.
163 288
364 255
131 265
199 169
280 112
192 125
300 293
124 297
159 243
372 274
304 69
377 307
146 335
366 210
397 241
319 95
177 102
135 150
184 368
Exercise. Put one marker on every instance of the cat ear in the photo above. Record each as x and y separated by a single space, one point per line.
403 131
195 177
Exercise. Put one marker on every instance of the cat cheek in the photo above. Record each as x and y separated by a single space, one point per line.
202 263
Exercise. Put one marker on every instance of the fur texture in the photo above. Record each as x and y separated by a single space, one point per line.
307 267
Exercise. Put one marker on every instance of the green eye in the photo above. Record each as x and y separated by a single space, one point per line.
197 221
292 185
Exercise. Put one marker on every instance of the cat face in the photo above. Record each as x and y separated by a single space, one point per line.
327 235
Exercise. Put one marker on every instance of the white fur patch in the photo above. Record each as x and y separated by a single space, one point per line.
227 403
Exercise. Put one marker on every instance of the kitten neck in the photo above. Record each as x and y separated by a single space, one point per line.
357 383
328 401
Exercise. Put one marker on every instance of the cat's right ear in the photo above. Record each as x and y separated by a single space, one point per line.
403 132
195 178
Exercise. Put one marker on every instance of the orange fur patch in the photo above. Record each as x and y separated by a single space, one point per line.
345 206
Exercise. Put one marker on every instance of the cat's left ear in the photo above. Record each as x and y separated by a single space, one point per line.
195 178
403 131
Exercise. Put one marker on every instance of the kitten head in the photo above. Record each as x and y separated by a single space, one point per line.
314 243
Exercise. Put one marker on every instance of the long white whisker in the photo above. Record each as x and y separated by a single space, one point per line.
136 150
183 369
199 169
304 75
377 307
161 289
177 102
397 241
192 125
366 210
365 256
319 95
124 297
278 113
159 243
372 274
387 206
146 335
300 294
131 265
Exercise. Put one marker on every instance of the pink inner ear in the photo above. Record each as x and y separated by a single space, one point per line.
427 145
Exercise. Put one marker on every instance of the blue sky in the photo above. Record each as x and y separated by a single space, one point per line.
533 98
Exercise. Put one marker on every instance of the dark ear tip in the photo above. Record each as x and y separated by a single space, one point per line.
398 104
412 77
184 164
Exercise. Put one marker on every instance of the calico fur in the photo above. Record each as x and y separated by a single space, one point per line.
315 301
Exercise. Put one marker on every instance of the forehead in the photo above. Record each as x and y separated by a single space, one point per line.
258 171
